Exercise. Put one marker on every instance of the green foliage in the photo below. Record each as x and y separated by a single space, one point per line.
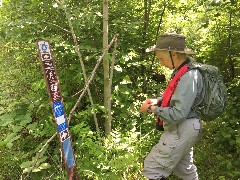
26 120
219 157
27 166
116 156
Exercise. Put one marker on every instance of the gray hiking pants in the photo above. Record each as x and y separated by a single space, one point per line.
174 152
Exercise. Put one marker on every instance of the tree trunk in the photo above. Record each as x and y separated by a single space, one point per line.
158 28
107 90
147 8
230 59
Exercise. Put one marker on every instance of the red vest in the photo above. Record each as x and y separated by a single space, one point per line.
167 94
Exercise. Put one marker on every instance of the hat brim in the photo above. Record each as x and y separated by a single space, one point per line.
186 50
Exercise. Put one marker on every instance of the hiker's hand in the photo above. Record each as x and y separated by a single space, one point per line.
144 107
146 103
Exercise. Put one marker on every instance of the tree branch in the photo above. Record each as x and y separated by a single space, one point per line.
158 29
90 79
113 62
81 61
56 26
39 153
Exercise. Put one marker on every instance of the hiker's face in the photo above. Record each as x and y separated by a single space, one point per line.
164 58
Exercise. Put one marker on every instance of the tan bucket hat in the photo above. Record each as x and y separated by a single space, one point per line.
171 42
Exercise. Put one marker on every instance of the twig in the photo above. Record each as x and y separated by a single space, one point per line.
81 61
39 153
90 79
113 61
111 74
76 94
56 26
61 161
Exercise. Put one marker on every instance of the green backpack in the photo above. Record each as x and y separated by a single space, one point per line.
214 99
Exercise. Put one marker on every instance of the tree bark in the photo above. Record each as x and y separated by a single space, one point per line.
107 87
230 59
147 9
158 29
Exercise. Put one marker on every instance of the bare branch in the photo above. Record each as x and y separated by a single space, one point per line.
113 61
90 79
81 60
39 153
56 26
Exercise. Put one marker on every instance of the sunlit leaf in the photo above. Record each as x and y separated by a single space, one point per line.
41 167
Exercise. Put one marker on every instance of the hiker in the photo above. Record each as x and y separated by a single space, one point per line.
174 111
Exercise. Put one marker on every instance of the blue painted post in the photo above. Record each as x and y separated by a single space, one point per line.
51 78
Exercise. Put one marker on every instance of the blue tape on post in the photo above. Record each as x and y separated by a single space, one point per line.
68 153
58 109
60 117
62 127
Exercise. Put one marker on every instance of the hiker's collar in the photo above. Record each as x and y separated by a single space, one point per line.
184 62
187 61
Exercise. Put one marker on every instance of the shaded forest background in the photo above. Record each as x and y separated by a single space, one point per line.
26 121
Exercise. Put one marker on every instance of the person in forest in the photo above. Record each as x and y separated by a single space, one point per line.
174 111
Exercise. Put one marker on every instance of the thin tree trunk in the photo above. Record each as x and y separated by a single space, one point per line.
113 62
147 9
81 61
158 29
230 59
91 77
107 87
161 20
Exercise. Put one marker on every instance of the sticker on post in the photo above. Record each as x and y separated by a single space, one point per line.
64 135
68 153
43 47
46 56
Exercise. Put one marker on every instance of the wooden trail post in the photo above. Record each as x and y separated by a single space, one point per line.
51 78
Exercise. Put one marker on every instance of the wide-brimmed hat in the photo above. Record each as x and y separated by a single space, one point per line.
171 42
